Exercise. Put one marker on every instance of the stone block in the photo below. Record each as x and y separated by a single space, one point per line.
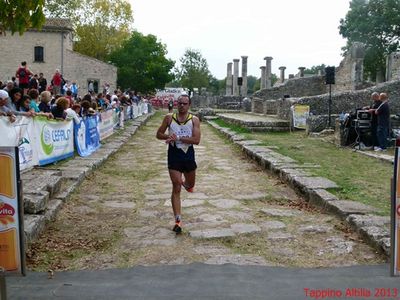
242 228
52 209
212 233
237 259
69 187
35 202
305 184
368 220
321 197
276 212
346 207
33 226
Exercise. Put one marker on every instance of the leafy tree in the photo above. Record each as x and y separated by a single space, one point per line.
376 23
251 81
18 15
142 65
100 25
314 69
193 71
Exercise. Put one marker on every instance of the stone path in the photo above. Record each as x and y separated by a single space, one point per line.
238 214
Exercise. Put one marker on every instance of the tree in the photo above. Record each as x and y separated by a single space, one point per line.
100 26
142 63
18 15
251 81
193 71
314 69
376 23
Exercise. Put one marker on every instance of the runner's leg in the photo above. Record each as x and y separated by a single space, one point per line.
190 178
176 179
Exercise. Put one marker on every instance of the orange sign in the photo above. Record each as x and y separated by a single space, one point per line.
11 229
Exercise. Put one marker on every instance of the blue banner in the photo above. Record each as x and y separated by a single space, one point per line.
87 136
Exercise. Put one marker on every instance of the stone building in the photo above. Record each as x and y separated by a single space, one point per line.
49 49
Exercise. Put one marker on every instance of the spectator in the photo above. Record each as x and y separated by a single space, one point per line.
73 113
66 86
56 82
383 113
23 104
34 104
9 86
4 110
42 83
74 90
45 98
85 107
90 87
100 100
58 111
23 74
69 97
33 82
15 96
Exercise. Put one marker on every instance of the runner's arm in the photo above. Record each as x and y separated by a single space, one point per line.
161 135
195 138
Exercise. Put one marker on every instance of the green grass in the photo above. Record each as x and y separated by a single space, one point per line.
360 178
236 128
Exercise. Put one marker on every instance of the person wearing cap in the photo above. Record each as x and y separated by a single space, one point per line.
4 110
183 133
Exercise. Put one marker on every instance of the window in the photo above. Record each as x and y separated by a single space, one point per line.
39 54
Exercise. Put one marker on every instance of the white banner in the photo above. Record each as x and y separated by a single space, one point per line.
106 124
20 133
55 140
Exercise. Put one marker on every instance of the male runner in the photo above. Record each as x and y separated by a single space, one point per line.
183 133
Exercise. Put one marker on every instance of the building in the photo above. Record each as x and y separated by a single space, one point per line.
49 49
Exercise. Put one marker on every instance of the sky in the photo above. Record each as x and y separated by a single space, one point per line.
296 33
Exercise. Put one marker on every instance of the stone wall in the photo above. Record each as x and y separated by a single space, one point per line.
200 101
344 102
296 87
393 66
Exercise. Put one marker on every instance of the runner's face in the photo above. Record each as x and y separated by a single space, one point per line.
183 104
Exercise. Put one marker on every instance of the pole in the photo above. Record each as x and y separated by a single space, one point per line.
329 106
3 291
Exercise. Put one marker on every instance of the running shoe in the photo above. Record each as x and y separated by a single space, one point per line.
177 227
188 189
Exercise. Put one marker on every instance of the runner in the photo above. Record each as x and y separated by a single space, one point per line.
183 133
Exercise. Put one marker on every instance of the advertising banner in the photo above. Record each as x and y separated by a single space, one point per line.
86 135
55 140
300 114
106 124
135 111
395 217
116 113
20 133
12 254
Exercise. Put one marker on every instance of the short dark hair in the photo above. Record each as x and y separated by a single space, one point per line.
23 63
187 96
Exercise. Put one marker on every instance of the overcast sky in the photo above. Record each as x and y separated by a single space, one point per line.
296 33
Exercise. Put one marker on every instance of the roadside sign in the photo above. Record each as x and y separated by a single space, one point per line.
12 254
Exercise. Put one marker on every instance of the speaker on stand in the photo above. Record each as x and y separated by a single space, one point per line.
330 79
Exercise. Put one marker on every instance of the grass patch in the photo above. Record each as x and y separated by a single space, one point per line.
360 178
234 127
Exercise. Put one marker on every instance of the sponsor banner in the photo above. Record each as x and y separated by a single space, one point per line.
116 113
128 112
121 119
55 140
300 114
20 133
106 124
12 254
145 108
86 135
135 111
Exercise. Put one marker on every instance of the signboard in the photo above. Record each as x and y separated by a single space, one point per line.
395 216
300 114
55 140
87 137
106 124
12 254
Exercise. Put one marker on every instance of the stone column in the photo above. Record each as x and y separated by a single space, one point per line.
301 71
262 82
244 76
268 72
229 79
235 77
282 69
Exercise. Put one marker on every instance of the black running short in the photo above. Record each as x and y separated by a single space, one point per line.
185 166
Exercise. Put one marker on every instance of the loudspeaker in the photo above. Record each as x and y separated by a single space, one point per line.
330 75
240 81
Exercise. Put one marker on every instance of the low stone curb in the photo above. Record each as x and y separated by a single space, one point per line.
46 189
374 229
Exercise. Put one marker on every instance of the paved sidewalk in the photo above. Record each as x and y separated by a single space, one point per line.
200 281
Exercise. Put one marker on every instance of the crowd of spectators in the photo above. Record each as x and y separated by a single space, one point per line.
28 94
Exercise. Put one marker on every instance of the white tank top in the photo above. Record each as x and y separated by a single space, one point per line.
181 129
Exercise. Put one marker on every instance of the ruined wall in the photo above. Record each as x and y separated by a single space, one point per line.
296 87
201 101
393 66
344 102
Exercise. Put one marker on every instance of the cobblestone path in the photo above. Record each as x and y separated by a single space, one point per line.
121 216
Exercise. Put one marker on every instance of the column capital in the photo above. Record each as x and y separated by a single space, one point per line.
244 56
229 63
302 68
236 60
263 67
282 68
268 58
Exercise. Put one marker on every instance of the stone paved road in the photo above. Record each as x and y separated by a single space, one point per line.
121 216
